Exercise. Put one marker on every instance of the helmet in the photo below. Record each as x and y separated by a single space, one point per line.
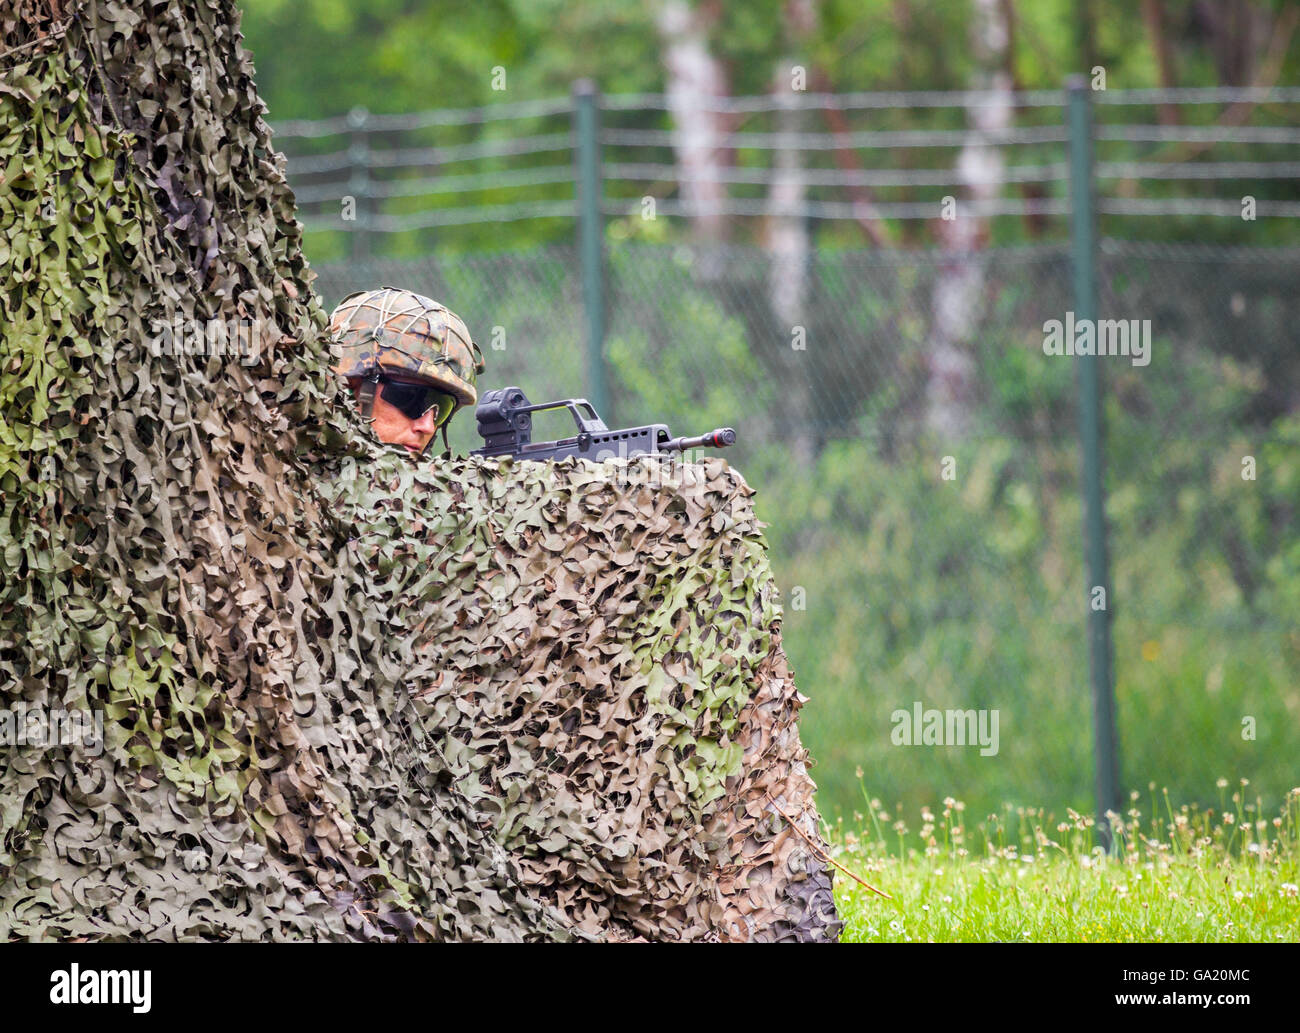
397 331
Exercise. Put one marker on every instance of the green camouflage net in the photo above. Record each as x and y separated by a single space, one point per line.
343 697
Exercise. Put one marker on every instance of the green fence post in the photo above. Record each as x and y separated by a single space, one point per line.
586 126
1083 247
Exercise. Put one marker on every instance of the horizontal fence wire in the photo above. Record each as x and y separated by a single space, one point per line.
855 210
455 184
422 119
1189 95
844 177
401 179
1222 208
828 141
868 101
479 213
1198 170
1201 134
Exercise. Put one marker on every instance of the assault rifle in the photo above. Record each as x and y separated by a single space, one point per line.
505 424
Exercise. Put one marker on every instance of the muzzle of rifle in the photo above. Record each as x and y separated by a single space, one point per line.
720 438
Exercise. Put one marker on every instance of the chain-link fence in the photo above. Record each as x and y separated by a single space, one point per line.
924 496
916 421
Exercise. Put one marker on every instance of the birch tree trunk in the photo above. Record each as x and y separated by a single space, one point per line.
786 237
959 287
695 81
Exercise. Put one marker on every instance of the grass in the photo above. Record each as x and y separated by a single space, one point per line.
1226 874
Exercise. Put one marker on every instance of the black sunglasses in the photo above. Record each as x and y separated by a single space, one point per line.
414 400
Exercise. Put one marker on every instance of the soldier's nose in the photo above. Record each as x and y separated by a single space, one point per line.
428 423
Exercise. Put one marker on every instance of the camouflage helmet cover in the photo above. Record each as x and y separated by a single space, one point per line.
398 331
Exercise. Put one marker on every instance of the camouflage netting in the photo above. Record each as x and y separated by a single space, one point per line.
344 697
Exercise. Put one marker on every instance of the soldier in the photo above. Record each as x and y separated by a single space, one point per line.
410 363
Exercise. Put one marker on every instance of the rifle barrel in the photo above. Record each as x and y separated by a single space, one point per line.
720 438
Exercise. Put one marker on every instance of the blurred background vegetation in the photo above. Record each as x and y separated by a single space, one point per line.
921 343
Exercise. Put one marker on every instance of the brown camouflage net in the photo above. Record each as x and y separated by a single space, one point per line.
343 697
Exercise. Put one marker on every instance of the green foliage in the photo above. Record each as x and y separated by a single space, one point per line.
322 57
705 377
969 594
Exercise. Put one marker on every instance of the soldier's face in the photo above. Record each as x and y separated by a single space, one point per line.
393 427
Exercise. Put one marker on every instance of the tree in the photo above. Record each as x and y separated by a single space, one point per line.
695 85
959 287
